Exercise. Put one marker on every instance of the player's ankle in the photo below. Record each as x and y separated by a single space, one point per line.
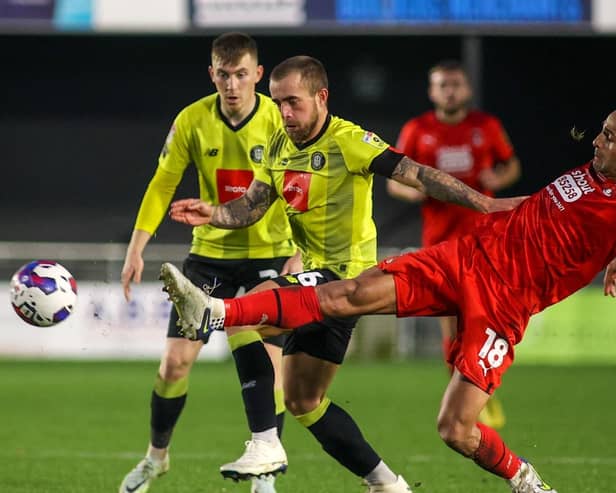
269 436
157 454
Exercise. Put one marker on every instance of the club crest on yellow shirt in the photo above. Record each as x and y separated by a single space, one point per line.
317 161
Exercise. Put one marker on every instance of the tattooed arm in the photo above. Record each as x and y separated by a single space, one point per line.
235 214
443 186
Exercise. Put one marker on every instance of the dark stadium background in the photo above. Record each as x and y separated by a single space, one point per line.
83 117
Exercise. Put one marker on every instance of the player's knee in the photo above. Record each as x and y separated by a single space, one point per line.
300 405
337 299
174 365
455 434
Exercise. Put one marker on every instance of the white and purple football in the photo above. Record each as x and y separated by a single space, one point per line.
43 293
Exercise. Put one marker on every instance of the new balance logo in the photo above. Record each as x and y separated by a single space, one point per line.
213 152
249 385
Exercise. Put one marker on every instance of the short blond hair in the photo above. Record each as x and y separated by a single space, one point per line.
311 70
230 47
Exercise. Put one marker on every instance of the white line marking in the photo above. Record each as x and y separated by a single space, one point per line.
86 454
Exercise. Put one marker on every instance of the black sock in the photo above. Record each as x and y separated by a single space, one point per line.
256 374
341 438
164 415
280 423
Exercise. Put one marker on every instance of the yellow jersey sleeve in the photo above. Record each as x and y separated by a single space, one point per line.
156 200
175 154
359 148
172 162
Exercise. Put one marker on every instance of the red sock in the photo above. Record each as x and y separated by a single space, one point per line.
494 456
287 307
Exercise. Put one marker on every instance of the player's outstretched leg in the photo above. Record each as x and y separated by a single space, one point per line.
140 478
527 480
199 314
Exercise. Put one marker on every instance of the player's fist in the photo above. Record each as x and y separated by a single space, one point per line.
194 212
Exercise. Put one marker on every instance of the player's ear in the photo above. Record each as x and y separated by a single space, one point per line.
259 73
429 91
210 71
322 95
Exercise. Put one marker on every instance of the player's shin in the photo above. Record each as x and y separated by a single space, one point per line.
288 308
168 400
256 374
494 456
280 410
341 438
264 453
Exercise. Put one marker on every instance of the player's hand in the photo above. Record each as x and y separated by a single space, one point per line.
609 280
293 265
505 204
132 270
194 212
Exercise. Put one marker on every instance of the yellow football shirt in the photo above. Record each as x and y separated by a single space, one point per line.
225 157
326 186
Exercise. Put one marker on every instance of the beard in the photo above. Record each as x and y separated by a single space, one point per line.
302 133
454 109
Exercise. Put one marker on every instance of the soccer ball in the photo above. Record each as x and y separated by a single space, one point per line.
43 293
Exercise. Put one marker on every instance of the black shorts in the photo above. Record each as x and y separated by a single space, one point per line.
328 339
226 277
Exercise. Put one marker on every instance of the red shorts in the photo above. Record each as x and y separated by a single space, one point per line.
455 278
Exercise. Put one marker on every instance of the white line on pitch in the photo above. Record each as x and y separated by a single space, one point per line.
86 454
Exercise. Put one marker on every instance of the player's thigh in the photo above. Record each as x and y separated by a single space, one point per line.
461 403
306 380
425 282
327 339
373 291
448 327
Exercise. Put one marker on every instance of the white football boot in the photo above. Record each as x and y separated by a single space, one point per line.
199 314
263 484
400 486
260 459
139 479
527 480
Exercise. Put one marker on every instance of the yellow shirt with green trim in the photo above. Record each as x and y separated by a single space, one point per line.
326 185
225 158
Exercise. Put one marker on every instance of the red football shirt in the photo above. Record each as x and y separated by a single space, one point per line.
555 242
462 150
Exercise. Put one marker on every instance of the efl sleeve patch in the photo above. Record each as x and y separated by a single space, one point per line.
373 139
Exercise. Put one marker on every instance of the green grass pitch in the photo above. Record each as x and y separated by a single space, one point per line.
80 426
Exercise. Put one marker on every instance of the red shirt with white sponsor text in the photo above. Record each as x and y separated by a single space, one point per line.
555 242
462 150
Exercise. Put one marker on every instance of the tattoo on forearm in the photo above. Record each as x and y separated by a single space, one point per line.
437 184
245 210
